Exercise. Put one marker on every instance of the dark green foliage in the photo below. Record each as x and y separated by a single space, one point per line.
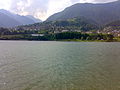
100 37
68 35
76 23
72 35
115 25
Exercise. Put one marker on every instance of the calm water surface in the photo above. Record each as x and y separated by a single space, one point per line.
32 65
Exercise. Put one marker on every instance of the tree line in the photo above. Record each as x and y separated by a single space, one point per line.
72 36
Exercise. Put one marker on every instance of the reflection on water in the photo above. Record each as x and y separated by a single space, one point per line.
31 65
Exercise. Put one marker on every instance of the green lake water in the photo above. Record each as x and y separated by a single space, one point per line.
34 65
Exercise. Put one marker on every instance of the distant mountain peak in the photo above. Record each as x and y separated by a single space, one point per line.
101 13
13 20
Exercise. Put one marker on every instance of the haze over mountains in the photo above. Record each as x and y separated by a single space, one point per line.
8 19
100 13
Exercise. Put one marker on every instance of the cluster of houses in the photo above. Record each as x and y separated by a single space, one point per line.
106 30
115 33
110 30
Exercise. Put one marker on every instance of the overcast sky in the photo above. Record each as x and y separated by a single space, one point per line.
41 9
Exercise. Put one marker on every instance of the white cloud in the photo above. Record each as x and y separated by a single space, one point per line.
5 4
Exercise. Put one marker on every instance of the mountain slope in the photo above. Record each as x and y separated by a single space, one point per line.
76 23
73 24
113 26
6 21
114 23
100 13
15 19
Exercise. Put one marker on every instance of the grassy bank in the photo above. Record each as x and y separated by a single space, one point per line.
78 40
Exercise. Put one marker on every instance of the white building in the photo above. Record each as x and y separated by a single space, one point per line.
34 35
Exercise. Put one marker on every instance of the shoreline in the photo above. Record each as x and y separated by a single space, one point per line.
66 40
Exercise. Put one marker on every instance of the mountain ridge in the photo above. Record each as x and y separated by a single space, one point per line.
102 13
15 19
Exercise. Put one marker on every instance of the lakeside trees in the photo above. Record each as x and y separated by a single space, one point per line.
60 36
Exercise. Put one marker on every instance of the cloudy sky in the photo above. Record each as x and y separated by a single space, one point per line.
41 9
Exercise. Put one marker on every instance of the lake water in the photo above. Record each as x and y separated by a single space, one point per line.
34 65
